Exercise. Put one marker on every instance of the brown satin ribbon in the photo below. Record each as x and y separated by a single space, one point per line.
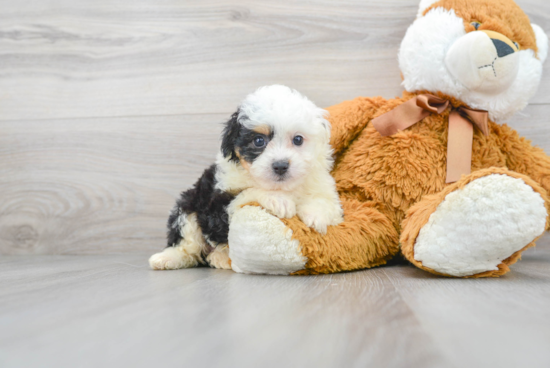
461 130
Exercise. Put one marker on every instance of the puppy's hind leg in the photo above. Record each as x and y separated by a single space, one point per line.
219 258
187 252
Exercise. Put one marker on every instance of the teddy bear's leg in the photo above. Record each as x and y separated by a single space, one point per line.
262 243
477 226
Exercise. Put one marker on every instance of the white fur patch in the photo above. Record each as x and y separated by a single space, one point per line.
423 66
185 254
475 228
425 4
260 243
308 189
542 42
219 258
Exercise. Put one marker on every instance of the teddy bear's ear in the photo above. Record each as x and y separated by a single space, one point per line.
542 42
425 4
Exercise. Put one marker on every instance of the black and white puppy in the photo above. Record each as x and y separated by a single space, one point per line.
275 151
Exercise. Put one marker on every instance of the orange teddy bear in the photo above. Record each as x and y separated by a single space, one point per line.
433 175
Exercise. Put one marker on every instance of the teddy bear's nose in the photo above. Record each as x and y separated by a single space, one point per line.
502 47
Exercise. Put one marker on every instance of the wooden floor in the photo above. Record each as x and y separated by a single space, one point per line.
112 311
108 109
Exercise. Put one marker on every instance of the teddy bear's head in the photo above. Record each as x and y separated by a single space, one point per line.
485 53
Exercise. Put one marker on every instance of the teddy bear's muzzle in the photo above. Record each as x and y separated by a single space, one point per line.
484 61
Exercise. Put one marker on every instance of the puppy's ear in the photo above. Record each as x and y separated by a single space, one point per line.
229 136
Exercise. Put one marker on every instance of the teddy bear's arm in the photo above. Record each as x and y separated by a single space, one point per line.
349 118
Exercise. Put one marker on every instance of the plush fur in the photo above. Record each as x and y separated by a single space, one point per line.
306 188
478 226
275 150
447 26
393 188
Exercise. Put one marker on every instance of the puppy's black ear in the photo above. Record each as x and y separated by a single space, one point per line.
229 136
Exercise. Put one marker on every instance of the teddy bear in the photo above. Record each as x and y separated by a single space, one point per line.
435 175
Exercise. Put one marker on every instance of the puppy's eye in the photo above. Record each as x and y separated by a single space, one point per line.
259 141
476 25
298 140
516 44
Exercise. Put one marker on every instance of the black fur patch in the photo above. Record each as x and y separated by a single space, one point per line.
209 203
245 144
230 134
210 206
239 141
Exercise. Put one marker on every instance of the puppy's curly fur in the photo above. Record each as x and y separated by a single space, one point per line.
275 151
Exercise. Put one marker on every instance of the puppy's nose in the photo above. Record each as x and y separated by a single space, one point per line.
503 48
280 167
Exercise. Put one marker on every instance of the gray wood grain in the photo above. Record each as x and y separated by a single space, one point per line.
111 310
109 109
98 185
68 59
91 186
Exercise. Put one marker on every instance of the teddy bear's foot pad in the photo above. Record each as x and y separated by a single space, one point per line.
260 243
477 227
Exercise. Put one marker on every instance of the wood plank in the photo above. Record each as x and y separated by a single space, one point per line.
111 309
97 185
92 186
96 310
67 59
500 322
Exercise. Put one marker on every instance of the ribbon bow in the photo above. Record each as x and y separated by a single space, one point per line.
461 130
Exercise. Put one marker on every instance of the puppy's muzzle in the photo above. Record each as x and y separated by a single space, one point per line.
280 167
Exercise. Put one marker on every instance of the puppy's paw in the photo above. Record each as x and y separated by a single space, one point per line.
316 221
219 258
279 205
319 219
171 259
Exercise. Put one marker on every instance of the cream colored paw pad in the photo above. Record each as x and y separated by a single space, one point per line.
475 228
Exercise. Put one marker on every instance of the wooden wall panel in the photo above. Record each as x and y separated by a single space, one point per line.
109 108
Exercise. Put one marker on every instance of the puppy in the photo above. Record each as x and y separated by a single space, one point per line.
275 151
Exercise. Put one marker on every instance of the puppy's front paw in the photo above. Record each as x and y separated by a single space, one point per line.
319 219
316 221
279 205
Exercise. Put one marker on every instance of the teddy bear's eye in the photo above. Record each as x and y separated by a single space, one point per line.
517 44
476 25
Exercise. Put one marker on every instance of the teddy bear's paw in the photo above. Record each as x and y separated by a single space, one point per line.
477 227
261 243
219 258
280 205
172 258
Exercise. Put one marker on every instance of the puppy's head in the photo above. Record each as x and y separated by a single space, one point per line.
279 137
